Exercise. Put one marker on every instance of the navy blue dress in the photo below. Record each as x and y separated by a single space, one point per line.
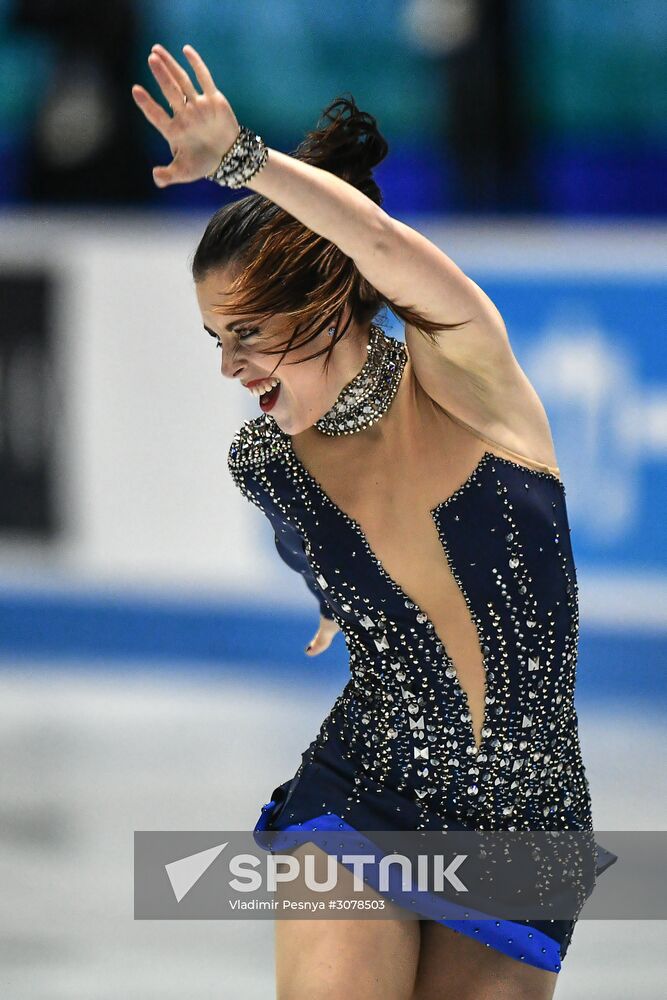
397 750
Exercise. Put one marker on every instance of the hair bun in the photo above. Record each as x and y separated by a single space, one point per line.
349 145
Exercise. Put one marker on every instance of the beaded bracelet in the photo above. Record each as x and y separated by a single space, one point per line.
243 160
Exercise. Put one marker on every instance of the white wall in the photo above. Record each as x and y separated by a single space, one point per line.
145 415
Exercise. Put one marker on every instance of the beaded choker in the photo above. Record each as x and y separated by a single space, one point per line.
368 396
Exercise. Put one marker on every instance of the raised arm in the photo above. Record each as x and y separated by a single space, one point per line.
403 265
406 268
471 369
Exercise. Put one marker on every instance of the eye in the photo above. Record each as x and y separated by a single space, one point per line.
242 334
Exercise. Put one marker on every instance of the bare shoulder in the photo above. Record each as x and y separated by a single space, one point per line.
483 385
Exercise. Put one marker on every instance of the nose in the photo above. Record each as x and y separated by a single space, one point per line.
230 366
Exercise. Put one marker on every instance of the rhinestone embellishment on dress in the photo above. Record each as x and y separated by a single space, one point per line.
402 721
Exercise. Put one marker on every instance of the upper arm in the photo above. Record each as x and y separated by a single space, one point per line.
470 370
410 271
290 549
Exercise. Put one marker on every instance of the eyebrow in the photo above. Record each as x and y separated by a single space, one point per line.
230 326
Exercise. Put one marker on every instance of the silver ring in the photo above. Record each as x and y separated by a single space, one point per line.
185 98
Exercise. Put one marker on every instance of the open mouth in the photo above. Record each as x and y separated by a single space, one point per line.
268 399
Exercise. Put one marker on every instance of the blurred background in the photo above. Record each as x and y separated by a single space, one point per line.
152 673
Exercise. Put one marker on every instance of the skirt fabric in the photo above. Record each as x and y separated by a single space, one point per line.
307 803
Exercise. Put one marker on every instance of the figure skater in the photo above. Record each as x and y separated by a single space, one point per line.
416 488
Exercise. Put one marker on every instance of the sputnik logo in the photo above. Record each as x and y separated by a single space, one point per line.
186 872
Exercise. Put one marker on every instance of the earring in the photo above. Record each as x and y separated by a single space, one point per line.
331 331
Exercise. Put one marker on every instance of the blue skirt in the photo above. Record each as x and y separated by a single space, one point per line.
309 802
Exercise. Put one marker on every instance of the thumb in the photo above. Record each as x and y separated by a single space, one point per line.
322 638
172 172
162 176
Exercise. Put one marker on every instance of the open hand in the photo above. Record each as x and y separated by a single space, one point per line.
203 126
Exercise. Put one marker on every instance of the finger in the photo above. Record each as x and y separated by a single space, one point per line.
170 173
164 176
177 71
201 70
156 115
166 82
311 648
318 644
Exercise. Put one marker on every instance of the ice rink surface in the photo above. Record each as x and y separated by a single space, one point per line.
90 757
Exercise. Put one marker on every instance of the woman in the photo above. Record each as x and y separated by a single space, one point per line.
416 488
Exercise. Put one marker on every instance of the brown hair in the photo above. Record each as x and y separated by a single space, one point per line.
284 267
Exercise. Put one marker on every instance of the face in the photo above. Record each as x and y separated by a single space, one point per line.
299 394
